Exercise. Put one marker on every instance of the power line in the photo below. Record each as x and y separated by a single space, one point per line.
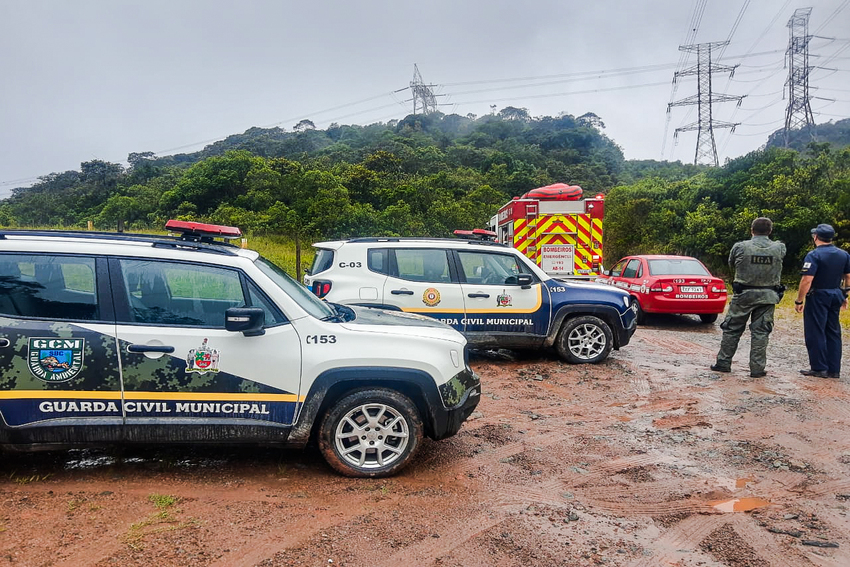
706 148
832 16
798 114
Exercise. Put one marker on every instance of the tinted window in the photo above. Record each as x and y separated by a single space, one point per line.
48 287
180 294
273 316
321 261
618 268
299 294
488 268
423 265
379 260
676 267
631 268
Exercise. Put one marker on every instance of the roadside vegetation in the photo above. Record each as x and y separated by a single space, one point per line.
429 175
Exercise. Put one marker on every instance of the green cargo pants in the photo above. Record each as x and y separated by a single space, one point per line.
758 306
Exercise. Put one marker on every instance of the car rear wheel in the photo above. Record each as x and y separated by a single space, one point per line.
371 433
585 339
708 318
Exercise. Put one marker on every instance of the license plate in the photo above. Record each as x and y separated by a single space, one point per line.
691 289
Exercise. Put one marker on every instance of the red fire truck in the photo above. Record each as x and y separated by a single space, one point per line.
556 228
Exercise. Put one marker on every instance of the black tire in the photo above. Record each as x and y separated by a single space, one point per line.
585 339
708 318
640 314
369 451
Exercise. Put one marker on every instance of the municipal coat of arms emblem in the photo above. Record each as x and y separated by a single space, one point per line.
203 359
503 300
431 297
55 360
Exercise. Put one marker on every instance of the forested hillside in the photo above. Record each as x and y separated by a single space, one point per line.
428 175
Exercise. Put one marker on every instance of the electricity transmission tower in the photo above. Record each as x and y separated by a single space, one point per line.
799 111
422 93
706 151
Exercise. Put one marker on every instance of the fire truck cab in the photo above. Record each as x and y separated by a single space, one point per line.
555 228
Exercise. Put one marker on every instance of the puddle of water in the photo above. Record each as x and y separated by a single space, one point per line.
84 463
742 482
739 504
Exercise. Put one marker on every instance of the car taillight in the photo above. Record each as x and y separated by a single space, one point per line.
321 288
661 289
715 289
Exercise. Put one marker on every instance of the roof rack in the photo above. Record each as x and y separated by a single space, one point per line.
424 239
156 241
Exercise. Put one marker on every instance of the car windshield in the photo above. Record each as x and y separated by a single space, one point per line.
300 294
677 267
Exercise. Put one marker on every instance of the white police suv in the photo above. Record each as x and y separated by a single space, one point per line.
491 293
118 338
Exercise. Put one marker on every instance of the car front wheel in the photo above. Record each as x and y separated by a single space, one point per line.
371 433
640 314
585 339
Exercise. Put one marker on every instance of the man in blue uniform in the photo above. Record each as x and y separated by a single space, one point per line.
824 271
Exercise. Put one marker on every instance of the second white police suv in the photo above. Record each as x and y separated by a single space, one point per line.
491 293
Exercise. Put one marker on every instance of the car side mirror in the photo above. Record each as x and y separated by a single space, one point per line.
247 320
524 280
606 272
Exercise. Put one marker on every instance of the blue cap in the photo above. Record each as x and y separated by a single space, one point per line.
824 231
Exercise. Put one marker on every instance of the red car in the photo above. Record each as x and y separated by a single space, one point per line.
669 284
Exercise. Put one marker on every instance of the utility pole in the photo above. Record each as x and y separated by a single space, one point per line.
706 151
799 111
422 93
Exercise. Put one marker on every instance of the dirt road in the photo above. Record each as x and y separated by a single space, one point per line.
649 460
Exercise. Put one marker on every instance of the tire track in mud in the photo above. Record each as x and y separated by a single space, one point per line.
835 410
663 341
452 536
681 541
765 544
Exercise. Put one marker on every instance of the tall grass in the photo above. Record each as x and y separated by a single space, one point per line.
281 250
277 248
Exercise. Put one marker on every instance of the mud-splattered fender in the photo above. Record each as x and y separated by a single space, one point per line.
440 421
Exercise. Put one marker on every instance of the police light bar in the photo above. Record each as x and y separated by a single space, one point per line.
476 234
198 230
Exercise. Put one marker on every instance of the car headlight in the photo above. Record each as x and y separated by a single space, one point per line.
626 301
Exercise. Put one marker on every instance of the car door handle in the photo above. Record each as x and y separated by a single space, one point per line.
482 295
401 292
4 343
150 348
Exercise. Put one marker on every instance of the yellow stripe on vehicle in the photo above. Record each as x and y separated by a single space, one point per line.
200 396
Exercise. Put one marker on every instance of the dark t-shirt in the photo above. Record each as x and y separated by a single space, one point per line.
827 264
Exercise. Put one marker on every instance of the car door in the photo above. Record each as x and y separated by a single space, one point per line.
181 366
422 280
615 275
58 362
629 276
494 304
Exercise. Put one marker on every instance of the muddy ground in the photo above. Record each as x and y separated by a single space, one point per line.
650 459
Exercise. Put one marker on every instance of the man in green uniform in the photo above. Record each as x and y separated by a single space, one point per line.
758 266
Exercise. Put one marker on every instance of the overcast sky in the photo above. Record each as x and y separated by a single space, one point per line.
86 80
